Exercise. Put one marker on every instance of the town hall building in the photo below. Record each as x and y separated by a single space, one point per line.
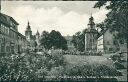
11 41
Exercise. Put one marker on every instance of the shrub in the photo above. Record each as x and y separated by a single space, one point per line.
58 59
56 73
41 73
96 70
115 57
118 65
20 67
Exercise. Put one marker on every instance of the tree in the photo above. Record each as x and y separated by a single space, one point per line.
57 40
45 40
53 39
35 45
117 18
78 40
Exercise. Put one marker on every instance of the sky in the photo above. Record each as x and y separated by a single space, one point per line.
68 17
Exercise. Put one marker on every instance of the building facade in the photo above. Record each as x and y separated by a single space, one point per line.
100 47
69 43
9 35
107 42
90 36
22 43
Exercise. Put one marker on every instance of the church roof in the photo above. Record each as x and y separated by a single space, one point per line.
91 24
37 33
28 27
33 37
91 21
91 18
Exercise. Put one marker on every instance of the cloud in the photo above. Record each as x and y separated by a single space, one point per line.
73 22
53 19
100 15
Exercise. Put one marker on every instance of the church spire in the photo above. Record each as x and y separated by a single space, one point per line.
37 33
28 32
28 27
91 19
91 22
28 23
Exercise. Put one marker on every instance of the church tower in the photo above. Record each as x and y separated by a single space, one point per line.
38 38
28 32
91 36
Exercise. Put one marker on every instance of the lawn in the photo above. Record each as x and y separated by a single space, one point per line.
78 59
94 60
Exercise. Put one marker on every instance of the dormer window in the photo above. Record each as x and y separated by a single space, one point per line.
11 23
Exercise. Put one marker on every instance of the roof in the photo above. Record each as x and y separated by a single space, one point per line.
37 33
33 37
102 32
28 27
68 37
6 19
92 30
21 35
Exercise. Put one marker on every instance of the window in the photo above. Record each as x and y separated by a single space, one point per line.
110 49
121 41
108 42
8 31
12 49
105 48
4 29
90 40
7 49
0 27
2 48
